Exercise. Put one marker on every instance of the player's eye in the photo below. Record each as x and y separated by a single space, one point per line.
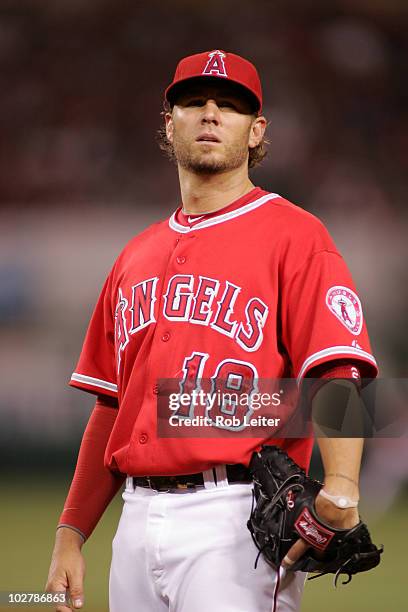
226 104
195 102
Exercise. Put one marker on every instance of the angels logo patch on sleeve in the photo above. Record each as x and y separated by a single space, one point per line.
346 306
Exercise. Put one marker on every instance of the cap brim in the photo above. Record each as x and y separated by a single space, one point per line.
174 89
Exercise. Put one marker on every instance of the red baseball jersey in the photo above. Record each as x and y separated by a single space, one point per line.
257 289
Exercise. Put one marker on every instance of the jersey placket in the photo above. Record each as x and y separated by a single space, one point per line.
162 346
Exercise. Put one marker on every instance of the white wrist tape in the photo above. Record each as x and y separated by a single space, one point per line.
341 501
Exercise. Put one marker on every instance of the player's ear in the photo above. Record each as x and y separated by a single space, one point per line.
257 132
169 126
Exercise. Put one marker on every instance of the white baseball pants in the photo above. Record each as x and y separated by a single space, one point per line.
190 551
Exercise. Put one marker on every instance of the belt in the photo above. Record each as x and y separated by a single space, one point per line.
235 473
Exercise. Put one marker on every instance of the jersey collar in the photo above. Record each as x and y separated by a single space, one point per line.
181 223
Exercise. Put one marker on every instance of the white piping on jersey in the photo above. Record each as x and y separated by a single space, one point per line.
94 382
221 218
338 351
191 220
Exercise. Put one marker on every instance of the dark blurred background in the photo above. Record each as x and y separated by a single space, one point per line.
80 174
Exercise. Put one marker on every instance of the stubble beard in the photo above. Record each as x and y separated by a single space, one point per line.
207 162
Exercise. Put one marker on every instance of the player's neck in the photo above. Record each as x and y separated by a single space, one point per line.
208 193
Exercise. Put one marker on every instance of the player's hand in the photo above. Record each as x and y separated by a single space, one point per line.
330 514
67 569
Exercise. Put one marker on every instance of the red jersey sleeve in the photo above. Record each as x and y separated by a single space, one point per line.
96 371
321 313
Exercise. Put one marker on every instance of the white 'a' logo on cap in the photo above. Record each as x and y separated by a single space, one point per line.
215 64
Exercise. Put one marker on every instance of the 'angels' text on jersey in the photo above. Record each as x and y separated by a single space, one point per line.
201 301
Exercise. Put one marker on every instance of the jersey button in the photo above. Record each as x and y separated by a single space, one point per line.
143 438
181 259
166 337
156 389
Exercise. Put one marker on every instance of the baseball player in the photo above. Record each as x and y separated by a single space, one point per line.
236 286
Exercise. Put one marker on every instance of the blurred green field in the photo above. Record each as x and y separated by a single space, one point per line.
29 511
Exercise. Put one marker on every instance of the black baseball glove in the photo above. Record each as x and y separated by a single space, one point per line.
283 511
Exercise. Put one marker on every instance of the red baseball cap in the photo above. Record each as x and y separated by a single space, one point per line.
221 65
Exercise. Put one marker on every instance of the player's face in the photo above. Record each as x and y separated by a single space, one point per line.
212 126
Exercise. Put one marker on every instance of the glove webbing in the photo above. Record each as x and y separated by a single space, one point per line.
283 490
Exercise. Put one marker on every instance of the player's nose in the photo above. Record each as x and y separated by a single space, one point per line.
211 111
